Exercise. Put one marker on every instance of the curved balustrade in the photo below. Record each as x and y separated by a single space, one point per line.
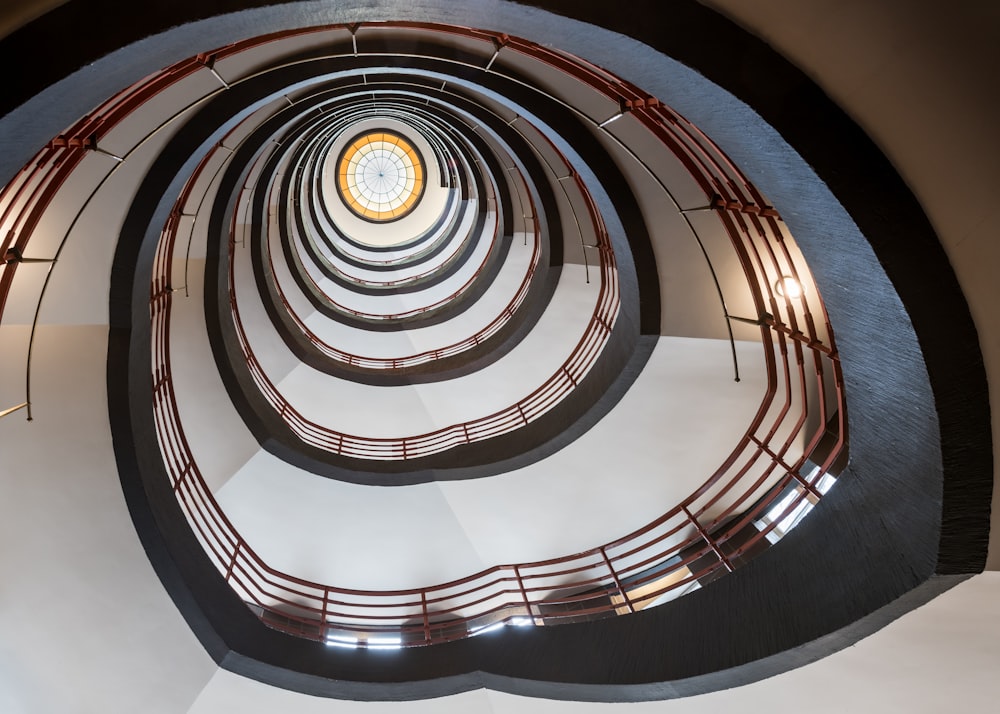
27 197
514 417
673 552
404 361
319 156
494 240
690 543
670 553
390 363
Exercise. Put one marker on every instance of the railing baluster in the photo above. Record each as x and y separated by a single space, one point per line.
614 577
427 623
232 562
524 593
708 539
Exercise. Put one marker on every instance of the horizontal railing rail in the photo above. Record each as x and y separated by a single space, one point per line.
28 196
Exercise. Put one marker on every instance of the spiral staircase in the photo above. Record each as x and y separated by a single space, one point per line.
457 349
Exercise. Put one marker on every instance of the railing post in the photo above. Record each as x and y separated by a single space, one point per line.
325 627
618 583
794 473
183 476
427 622
524 593
708 539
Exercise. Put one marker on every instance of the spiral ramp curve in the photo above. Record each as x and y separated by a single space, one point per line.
417 334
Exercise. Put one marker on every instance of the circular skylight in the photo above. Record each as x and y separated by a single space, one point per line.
380 176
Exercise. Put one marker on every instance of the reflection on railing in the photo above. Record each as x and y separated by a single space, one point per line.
15 408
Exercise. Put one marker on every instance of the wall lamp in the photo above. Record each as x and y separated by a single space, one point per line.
787 286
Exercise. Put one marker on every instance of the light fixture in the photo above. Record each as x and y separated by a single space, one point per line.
787 286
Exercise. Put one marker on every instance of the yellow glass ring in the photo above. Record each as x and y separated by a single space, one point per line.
380 176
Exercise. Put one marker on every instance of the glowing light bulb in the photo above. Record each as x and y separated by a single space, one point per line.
787 286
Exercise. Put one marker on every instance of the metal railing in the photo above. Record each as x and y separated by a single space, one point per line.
526 410
27 197
709 532
494 241
405 361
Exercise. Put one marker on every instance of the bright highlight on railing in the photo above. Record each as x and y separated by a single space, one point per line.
496 626
789 511
371 643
